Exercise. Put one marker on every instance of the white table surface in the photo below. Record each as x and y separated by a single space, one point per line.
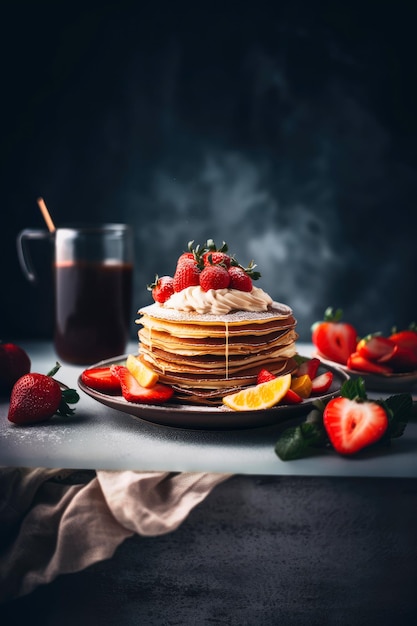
98 437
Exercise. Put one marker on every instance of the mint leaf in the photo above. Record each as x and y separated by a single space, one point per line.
399 409
354 389
297 441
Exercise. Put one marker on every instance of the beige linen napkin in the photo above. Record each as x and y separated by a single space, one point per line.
49 527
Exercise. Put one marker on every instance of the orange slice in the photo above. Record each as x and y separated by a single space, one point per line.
302 385
262 396
144 375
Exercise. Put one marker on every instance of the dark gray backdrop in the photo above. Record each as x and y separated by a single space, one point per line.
287 129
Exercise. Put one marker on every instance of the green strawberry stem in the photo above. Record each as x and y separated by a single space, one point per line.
69 396
54 370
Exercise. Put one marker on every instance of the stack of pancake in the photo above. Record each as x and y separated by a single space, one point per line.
206 356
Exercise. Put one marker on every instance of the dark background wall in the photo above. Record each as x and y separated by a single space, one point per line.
287 129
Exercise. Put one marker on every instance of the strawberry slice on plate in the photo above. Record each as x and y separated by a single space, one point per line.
359 363
133 392
376 348
334 340
309 367
320 384
352 426
101 379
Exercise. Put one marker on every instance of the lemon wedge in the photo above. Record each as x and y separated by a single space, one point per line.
262 396
145 376
302 385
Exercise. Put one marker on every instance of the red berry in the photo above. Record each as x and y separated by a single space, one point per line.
101 379
162 289
34 398
335 340
353 425
239 279
14 363
214 277
133 392
216 257
186 275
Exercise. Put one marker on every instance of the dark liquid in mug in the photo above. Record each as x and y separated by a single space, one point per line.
93 309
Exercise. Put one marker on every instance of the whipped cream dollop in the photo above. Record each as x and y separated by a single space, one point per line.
218 301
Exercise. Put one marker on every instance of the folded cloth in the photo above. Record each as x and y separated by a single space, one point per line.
49 526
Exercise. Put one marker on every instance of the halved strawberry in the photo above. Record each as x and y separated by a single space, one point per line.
309 367
359 363
376 348
133 392
335 340
352 426
101 379
321 384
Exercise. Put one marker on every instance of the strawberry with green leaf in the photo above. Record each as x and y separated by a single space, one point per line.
349 423
37 397
162 288
334 339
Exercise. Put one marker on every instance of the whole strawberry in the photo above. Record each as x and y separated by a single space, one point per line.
37 397
214 277
239 279
14 363
213 258
186 275
215 255
162 288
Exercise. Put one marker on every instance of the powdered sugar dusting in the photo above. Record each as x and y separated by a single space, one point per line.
276 311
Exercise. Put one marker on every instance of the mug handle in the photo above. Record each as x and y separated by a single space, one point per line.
24 257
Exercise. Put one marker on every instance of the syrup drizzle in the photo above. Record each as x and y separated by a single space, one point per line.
226 335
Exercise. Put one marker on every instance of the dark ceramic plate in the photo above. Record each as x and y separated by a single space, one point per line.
196 416
389 383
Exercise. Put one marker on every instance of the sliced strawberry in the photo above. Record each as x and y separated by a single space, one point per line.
321 383
133 392
264 376
352 426
291 397
309 367
376 348
403 360
335 340
405 339
101 379
359 363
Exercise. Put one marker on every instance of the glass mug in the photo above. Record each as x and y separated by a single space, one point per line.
93 276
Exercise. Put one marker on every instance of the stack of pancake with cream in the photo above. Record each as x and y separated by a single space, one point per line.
206 344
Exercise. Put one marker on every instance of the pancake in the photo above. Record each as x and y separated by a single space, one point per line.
204 356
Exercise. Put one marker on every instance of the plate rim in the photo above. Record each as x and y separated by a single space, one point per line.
390 380
179 415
